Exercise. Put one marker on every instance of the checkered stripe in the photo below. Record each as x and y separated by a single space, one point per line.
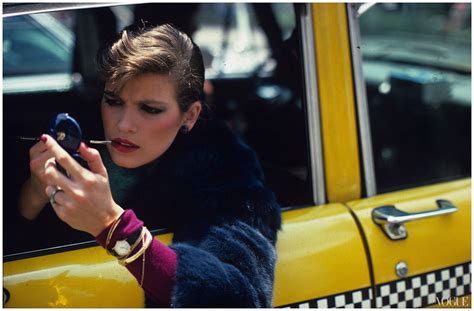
359 298
413 292
426 289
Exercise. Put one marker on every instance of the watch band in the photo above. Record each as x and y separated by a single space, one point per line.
131 239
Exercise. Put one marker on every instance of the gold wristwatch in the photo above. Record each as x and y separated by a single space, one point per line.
123 247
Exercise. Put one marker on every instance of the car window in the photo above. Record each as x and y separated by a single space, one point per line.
232 41
254 84
37 52
266 109
417 69
36 44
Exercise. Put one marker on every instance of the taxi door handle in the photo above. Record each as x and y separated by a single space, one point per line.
392 220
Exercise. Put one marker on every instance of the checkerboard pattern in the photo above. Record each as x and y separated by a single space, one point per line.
413 292
426 289
355 299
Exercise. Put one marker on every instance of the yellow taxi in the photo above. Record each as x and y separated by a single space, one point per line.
360 115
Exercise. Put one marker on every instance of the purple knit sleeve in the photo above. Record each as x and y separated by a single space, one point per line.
160 260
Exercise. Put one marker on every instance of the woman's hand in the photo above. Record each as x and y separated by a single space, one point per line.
85 201
32 196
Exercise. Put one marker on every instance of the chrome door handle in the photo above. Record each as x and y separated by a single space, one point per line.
392 220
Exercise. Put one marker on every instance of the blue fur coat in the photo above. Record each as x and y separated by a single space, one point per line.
208 189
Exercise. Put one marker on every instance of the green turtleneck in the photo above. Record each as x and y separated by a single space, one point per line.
122 180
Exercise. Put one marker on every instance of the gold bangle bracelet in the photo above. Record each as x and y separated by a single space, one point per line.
112 230
143 269
146 243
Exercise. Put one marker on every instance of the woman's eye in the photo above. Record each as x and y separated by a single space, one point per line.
151 110
112 102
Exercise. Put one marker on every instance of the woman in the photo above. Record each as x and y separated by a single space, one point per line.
165 167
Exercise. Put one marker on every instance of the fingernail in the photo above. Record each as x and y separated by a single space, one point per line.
44 138
84 145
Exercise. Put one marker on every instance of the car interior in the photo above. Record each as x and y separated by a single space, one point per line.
264 106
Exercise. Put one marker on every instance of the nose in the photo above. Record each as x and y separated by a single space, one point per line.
127 122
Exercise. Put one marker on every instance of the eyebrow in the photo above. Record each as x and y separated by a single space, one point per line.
110 93
142 102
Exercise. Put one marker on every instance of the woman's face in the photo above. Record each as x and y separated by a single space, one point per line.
143 119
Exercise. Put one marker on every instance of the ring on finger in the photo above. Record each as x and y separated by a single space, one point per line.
53 195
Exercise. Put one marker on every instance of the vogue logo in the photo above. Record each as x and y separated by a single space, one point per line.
453 302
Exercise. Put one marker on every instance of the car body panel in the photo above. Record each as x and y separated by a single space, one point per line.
79 278
432 244
317 247
314 245
336 100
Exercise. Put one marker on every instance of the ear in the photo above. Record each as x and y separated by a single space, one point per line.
191 116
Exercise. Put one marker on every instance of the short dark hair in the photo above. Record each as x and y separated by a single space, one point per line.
163 50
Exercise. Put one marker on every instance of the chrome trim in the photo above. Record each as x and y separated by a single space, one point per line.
362 8
61 82
361 99
312 106
390 214
61 34
392 220
32 8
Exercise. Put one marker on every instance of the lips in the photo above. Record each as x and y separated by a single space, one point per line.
124 146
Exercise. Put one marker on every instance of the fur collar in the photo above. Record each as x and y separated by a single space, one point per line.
208 176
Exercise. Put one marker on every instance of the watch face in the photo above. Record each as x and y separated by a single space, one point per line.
121 247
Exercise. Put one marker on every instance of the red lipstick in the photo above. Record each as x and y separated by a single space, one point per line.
123 145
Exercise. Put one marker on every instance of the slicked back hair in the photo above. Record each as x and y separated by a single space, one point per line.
162 50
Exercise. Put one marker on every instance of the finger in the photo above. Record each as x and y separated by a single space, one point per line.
55 177
57 206
63 158
37 148
38 162
92 156
59 198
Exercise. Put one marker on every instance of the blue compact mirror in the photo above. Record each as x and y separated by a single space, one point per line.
67 132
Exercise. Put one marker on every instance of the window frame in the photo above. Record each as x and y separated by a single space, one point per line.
354 11
312 104
363 120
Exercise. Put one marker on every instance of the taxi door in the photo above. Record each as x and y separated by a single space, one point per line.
322 259
416 218
420 245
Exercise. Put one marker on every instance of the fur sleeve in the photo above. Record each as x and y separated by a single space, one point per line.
232 266
224 219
